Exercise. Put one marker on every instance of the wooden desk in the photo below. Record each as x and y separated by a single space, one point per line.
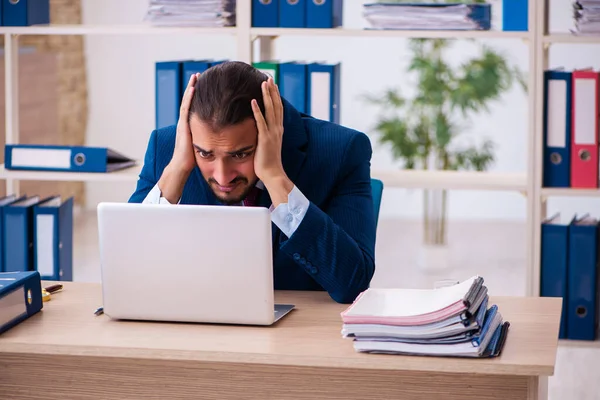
65 352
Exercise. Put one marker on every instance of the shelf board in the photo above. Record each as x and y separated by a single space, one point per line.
451 34
126 175
391 178
459 180
570 38
570 192
579 343
137 29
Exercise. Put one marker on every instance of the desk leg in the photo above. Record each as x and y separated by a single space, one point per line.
538 388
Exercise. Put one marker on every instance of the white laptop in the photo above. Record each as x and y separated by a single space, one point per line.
187 263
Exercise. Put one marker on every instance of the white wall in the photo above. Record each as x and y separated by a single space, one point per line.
122 96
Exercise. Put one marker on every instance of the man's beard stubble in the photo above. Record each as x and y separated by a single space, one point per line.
238 199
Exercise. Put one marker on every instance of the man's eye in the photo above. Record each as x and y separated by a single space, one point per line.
240 156
203 154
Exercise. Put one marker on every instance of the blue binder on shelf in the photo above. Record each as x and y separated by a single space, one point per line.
265 13
5 201
191 67
554 265
53 241
323 91
168 92
292 13
64 158
20 297
293 82
188 68
18 235
25 12
324 14
582 315
515 15
557 128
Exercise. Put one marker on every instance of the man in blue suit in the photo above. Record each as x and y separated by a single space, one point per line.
237 142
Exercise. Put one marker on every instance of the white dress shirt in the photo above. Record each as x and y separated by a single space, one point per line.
287 216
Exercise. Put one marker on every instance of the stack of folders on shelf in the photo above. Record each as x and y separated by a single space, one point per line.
36 234
571 129
192 13
428 16
452 321
321 14
570 269
586 14
311 88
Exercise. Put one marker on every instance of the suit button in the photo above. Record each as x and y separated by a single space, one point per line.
314 270
296 256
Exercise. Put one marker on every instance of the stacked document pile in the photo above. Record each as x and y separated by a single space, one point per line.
200 13
428 16
453 321
587 17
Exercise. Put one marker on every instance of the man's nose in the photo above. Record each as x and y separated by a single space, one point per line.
223 174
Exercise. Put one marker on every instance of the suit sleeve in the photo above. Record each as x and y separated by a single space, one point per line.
147 179
336 244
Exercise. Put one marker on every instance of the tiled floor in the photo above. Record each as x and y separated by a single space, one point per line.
495 250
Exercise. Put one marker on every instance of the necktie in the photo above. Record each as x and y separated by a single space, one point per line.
251 199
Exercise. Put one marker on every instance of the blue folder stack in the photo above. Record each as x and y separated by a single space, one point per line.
321 14
37 235
312 88
569 269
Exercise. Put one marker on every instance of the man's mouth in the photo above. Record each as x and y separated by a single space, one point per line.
228 188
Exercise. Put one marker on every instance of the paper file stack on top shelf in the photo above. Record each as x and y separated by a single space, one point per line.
454 321
428 16
192 13
587 17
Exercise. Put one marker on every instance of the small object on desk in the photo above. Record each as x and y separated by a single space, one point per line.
99 311
53 288
46 295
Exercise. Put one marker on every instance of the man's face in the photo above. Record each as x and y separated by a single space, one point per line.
226 158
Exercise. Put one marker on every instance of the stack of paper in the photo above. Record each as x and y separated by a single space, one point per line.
448 321
428 16
202 13
587 17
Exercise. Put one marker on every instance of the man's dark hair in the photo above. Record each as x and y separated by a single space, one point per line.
223 94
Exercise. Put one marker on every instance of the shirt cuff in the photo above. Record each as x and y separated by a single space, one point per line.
155 197
288 216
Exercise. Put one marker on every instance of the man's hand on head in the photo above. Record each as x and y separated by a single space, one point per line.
183 155
183 161
267 160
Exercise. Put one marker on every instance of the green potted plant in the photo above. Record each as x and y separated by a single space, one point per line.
423 131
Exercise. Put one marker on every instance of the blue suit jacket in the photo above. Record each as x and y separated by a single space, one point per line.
333 247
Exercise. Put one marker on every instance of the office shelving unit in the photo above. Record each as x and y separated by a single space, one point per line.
527 183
